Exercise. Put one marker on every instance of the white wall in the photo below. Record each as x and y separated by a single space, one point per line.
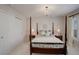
59 22
42 21
12 29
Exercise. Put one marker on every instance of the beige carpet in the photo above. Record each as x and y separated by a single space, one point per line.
24 49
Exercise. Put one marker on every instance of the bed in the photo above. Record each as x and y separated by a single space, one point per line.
46 44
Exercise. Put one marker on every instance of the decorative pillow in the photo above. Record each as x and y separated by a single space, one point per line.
42 33
49 33
45 32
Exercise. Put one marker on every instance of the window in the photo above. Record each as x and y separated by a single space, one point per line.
75 30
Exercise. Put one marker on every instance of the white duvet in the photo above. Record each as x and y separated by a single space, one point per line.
46 39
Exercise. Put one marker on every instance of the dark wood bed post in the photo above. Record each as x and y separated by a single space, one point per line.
30 37
52 28
65 35
37 28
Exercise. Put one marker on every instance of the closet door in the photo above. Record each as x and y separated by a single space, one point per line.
4 30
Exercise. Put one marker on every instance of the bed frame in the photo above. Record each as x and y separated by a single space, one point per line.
56 51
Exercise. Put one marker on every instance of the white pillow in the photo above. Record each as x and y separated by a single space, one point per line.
49 33
41 33
45 32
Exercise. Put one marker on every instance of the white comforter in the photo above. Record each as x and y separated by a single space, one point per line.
46 39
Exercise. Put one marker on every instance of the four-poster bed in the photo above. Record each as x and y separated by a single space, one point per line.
46 44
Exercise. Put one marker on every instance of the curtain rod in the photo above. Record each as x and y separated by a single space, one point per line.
74 14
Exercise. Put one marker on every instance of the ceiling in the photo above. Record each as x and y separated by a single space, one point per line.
37 10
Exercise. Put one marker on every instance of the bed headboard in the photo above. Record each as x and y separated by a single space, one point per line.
37 31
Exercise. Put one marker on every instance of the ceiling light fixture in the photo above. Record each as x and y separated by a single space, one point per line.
46 8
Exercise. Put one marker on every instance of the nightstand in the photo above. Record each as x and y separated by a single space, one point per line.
59 36
33 36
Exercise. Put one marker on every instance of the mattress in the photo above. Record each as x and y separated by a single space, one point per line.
47 42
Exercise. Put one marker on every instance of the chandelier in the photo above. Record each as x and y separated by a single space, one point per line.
46 10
